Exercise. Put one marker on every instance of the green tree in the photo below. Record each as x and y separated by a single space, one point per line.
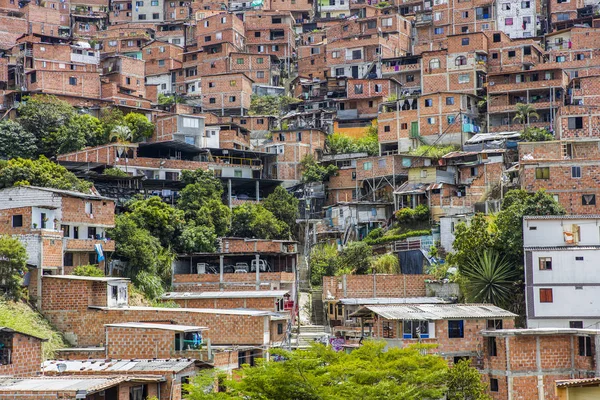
13 266
160 219
44 116
355 258
201 201
464 383
195 238
315 172
88 270
81 130
141 128
386 264
255 221
323 261
524 112
284 207
533 134
489 278
41 172
121 134
369 372
338 143
15 141
110 117
270 105
474 238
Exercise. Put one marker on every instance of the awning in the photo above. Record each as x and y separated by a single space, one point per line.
411 188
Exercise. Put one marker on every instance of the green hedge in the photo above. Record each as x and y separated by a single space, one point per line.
394 238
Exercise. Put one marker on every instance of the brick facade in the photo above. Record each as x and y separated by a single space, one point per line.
25 352
379 285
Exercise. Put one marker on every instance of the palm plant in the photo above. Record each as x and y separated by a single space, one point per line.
524 113
489 279
121 134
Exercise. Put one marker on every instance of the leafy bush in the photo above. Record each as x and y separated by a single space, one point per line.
341 144
115 172
386 264
88 270
433 151
375 233
409 215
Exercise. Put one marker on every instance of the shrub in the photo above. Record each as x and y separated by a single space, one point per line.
88 270
409 215
395 238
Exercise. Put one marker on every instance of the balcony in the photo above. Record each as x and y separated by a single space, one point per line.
347 114
87 245
424 19
494 87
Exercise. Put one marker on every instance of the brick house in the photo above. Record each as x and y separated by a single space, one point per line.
171 372
364 97
162 60
268 300
454 328
221 28
126 39
566 169
60 229
80 307
123 79
514 367
270 32
55 68
90 387
20 354
226 93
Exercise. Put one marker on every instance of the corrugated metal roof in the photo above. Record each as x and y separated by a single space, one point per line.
534 217
87 278
222 311
393 300
578 382
232 294
71 384
165 327
540 331
432 312
561 248
77 366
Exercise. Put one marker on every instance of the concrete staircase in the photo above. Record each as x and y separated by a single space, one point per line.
307 336
317 314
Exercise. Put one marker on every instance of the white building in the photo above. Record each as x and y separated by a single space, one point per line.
562 274
517 18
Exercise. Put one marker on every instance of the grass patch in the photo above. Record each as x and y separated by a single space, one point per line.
433 151
21 317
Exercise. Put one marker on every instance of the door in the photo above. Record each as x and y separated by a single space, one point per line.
355 71
414 129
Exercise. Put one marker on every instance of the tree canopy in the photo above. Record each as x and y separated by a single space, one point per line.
315 172
284 207
369 372
41 172
270 105
255 221
338 143
13 266
15 141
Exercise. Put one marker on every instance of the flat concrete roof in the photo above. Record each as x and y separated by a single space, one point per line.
165 327
232 294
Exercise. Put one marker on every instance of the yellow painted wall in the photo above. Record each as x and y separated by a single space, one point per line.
414 175
356 133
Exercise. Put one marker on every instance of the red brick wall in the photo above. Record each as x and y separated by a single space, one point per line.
26 356
261 303
139 343
73 210
386 285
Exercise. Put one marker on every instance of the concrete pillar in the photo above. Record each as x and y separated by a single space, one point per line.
597 355
257 190
229 193
257 258
221 268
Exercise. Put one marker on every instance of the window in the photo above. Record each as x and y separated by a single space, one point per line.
492 348
546 296
128 81
410 78
212 100
68 259
512 54
415 329
356 54
437 16
431 120
465 41
575 172
207 38
237 173
434 63
378 88
474 171
155 15
142 17
388 329
451 119
585 346
545 263
575 122
493 384
542 173
154 3
496 37
298 136
579 258
505 6
576 324
232 83
456 329
17 221
465 14
460 60
367 166
428 102
358 89
449 101
526 4
231 99
464 78
280 329
438 31
386 128
260 74
339 71
508 21
494 324
260 60
139 4
527 50
72 81
588 200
